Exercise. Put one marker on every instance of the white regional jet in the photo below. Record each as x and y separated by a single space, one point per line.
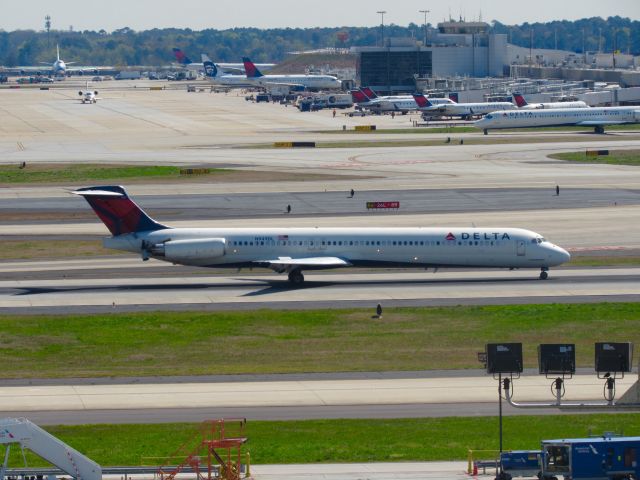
597 117
462 110
316 82
524 105
293 250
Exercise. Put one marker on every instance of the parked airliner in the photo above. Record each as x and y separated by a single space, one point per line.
597 117
316 82
524 105
463 110
214 75
293 250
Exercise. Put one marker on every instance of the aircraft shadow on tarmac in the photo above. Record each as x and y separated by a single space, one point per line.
266 286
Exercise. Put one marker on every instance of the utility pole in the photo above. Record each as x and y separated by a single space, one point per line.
600 41
47 26
613 51
425 25
382 12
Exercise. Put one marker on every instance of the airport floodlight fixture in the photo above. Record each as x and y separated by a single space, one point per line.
425 24
504 358
557 359
613 358
381 13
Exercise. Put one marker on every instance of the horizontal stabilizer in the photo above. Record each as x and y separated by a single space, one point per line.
98 193
307 261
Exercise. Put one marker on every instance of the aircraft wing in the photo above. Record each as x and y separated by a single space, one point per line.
595 123
314 262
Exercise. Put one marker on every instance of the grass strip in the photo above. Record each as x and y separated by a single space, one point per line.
418 142
468 129
53 173
40 249
265 341
615 157
344 440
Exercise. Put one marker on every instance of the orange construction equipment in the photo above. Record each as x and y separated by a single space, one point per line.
215 452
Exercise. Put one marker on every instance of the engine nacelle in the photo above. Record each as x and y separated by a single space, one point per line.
183 250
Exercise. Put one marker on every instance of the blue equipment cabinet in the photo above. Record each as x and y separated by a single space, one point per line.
521 463
597 458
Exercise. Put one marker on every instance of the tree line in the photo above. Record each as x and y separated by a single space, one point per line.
125 46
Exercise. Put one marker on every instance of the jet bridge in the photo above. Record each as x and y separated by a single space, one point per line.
45 445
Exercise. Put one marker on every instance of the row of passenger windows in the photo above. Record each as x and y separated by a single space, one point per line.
363 243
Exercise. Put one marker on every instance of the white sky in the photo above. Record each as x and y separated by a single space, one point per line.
221 14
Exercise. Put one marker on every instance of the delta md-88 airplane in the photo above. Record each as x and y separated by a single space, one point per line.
293 250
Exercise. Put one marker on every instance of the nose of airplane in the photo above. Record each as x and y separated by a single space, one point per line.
560 255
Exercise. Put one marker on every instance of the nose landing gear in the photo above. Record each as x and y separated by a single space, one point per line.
544 273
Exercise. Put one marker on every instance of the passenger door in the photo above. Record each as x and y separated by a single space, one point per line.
521 248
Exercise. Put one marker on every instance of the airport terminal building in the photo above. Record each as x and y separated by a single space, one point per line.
457 49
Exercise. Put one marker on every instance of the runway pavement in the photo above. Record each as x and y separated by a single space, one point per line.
426 201
360 398
322 290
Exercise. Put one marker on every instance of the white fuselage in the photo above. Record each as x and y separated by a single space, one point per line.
307 81
473 109
542 106
88 97
59 68
419 247
601 116
402 104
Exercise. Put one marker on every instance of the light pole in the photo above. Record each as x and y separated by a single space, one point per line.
382 12
425 25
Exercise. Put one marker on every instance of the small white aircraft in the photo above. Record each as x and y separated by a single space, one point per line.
293 250
88 96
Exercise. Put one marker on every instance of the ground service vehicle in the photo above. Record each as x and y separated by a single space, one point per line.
520 463
598 458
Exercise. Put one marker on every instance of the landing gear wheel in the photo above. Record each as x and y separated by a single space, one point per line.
296 277
544 275
599 129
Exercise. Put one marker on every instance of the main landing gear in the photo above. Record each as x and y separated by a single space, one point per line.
296 277
544 273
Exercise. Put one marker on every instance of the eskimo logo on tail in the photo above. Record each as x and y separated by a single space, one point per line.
520 101
210 69
117 211
250 69
181 57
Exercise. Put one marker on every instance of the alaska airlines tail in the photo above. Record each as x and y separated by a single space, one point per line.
181 57
358 97
250 69
520 101
117 211
210 68
369 93
421 100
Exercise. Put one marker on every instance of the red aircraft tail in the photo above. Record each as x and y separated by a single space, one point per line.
520 101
